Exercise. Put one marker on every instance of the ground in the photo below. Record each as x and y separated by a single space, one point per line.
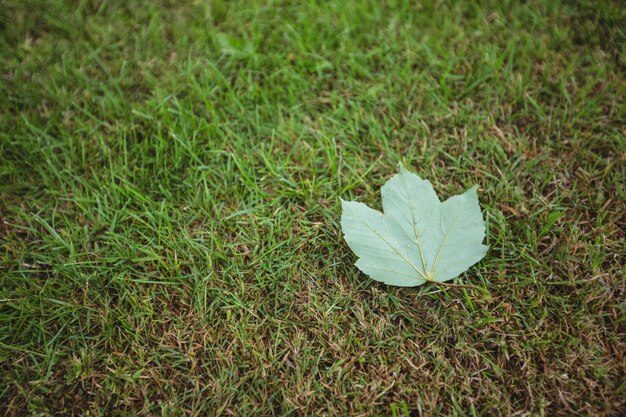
170 189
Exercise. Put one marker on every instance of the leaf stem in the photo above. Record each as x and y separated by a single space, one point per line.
451 285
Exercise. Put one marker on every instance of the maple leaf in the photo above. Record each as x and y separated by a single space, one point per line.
418 238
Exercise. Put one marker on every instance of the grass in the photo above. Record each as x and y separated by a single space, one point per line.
169 202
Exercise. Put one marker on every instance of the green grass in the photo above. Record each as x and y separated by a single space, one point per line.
169 205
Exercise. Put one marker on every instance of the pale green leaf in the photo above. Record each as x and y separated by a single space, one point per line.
418 238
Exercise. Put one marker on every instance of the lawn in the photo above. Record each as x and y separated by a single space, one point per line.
170 184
